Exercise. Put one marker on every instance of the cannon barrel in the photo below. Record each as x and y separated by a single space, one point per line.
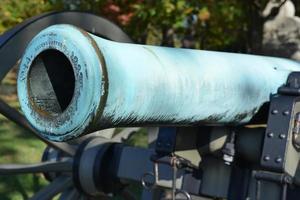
71 83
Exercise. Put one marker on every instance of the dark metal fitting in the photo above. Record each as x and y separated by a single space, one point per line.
273 177
99 176
148 181
177 161
292 86
229 149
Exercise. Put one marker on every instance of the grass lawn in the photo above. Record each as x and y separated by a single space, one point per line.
19 146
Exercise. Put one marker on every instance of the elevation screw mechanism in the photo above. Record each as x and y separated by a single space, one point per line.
229 149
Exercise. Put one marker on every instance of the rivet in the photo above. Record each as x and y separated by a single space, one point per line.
270 135
266 158
274 112
282 136
286 112
278 160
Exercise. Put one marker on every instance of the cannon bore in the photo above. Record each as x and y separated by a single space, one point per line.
71 83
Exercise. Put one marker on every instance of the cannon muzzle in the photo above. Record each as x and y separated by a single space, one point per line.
71 83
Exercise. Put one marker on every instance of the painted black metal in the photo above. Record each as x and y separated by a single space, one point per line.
166 140
106 169
280 125
283 180
276 136
274 177
279 133
44 159
248 145
292 86
52 154
76 164
239 183
192 182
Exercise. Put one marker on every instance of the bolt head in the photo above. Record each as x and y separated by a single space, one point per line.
274 112
278 160
270 135
286 112
266 158
282 136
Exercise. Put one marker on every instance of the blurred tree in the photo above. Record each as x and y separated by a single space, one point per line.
13 12
209 24
230 25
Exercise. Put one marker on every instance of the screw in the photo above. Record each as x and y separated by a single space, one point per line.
270 135
278 160
274 112
282 136
286 112
266 158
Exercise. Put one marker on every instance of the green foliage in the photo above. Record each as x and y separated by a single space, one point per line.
226 25
213 24
209 24
13 12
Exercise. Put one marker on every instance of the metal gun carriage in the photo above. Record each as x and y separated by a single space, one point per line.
209 107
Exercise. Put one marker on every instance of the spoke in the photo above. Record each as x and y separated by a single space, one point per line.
124 134
71 194
60 166
57 186
82 197
15 116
